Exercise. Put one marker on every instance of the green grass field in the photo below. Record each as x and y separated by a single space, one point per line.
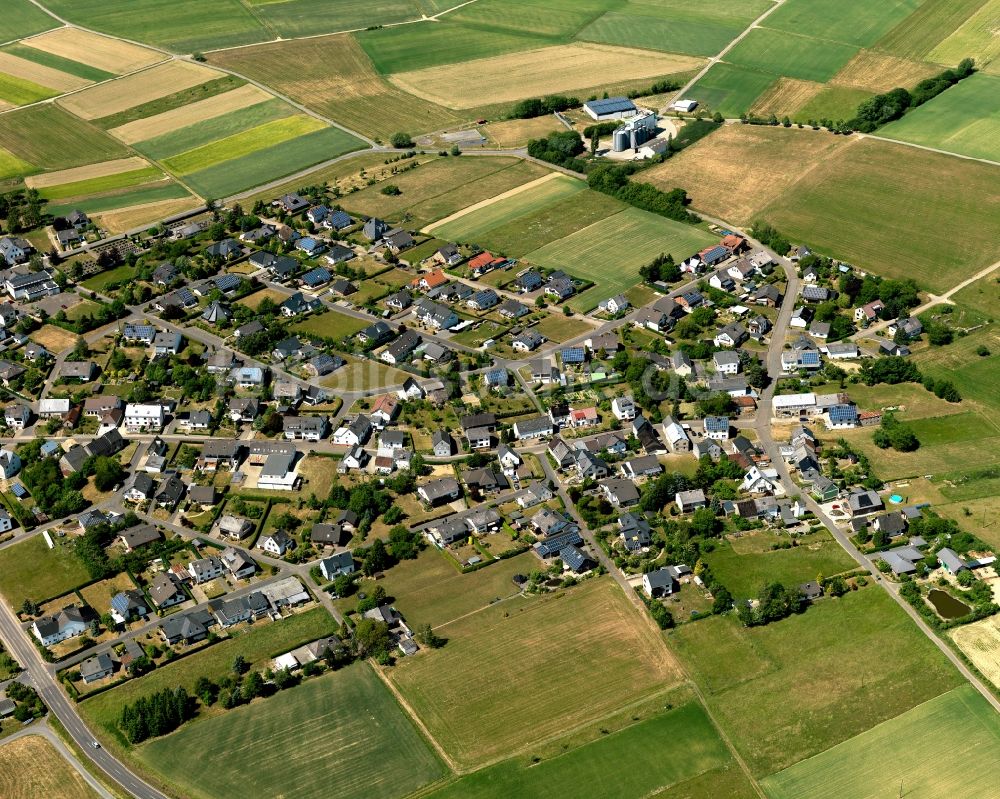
408 47
12 167
928 751
744 574
291 18
23 18
109 276
793 689
258 646
30 570
832 102
58 62
675 26
200 134
524 205
730 90
635 237
916 35
965 119
18 91
80 188
663 751
793 56
443 186
503 693
342 729
151 193
49 138
851 21
184 26
976 375
941 206
243 144
332 325
554 18
272 162
975 38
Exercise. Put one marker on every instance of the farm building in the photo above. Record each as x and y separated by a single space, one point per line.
610 108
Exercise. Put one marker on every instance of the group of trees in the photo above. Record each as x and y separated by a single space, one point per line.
539 107
155 715
614 180
661 268
22 209
774 602
893 433
560 148
29 704
892 370
55 495
770 237
883 108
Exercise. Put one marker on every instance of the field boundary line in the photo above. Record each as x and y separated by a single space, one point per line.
490 201
416 719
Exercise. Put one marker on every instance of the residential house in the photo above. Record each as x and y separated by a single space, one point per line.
528 341
689 501
436 492
619 492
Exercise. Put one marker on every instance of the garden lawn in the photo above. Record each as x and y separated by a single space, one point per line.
927 751
369 748
940 205
964 119
745 574
794 688
636 762
512 653
30 570
258 645
117 275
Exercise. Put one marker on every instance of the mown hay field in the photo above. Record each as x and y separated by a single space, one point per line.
790 690
980 642
334 76
137 89
949 746
861 202
529 669
101 52
121 220
965 120
549 70
343 729
31 767
785 97
879 72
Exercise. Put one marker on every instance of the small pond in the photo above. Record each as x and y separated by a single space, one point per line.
946 605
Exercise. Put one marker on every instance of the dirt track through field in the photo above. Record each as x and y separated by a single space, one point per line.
209 108
491 200
132 90
549 70
100 52
75 175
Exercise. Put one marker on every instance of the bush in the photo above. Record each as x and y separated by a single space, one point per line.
401 140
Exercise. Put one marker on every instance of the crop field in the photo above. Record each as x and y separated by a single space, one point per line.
557 18
184 26
23 18
919 33
980 642
793 56
663 751
976 38
85 73
790 690
638 236
730 90
102 53
102 183
965 119
30 570
549 70
11 166
128 198
205 112
171 102
940 205
926 750
258 646
473 223
441 187
15 91
290 18
331 325
120 220
879 72
53 78
32 767
785 97
507 646
675 26
850 21
369 747
745 573
137 89
334 76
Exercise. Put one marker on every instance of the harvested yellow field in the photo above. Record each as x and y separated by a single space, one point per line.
534 73
88 172
209 108
980 641
138 216
517 132
879 72
31 767
53 338
37 73
93 49
142 87
740 169
785 97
